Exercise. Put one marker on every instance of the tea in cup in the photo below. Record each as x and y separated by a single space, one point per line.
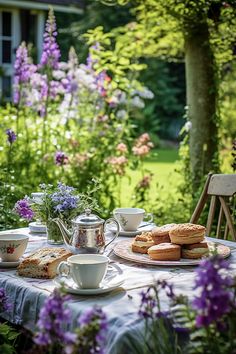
131 218
87 270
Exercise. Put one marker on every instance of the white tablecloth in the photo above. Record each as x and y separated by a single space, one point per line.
120 305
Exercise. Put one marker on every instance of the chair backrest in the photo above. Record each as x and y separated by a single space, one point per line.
222 188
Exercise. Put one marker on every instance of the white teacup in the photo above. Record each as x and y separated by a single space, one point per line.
130 218
87 270
12 246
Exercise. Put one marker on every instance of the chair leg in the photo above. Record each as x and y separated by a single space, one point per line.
202 201
228 217
226 232
211 215
218 231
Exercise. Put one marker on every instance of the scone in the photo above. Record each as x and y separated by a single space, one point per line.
187 234
165 252
161 234
142 242
43 263
195 251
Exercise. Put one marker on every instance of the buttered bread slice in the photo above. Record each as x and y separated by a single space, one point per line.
43 263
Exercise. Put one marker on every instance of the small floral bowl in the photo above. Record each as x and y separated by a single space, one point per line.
12 246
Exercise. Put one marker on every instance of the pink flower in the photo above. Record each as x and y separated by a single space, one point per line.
118 163
141 151
145 182
80 159
122 148
144 138
142 145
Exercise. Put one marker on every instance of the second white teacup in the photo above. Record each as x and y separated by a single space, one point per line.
130 218
87 270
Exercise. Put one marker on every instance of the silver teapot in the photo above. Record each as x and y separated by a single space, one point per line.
87 234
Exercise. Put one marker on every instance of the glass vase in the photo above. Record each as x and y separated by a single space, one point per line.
54 236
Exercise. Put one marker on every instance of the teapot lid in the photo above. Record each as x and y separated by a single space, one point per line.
88 219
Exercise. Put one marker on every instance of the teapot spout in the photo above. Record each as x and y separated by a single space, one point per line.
66 234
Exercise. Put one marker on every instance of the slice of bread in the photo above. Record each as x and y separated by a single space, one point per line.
43 263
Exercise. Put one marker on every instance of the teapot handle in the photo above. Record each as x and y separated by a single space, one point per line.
117 231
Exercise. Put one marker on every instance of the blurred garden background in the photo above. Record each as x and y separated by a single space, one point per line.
139 96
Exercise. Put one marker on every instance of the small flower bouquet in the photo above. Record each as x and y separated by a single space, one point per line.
61 201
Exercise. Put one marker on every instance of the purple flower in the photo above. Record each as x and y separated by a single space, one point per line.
64 198
213 283
22 208
23 71
90 60
148 306
51 51
61 158
4 303
168 288
11 136
52 319
91 334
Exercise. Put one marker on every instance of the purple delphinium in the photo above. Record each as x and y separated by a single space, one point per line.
148 306
91 333
61 158
23 209
4 302
51 51
11 136
64 198
214 299
53 317
23 70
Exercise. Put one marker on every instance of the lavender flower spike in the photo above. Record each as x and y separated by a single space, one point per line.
52 318
11 136
213 284
23 70
91 334
51 51
4 303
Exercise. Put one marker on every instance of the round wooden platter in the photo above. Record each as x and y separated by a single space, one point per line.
123 250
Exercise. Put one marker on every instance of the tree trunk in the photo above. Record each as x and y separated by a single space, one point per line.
201 100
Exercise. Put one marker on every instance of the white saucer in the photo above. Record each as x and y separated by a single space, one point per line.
9 264
113 280
35 227
148 227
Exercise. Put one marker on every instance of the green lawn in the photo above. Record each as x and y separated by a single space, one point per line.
161 163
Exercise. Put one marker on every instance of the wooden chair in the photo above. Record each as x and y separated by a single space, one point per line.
222 188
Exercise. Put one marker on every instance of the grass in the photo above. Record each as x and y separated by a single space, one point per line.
161 163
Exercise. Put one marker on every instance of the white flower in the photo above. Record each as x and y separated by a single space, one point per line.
146 93
121 114
137 102
58 74
63 65
188 126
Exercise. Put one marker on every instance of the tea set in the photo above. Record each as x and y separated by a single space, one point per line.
85 272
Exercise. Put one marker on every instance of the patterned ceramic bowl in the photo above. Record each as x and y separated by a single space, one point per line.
12 246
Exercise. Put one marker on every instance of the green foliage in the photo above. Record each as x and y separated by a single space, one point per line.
8 338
